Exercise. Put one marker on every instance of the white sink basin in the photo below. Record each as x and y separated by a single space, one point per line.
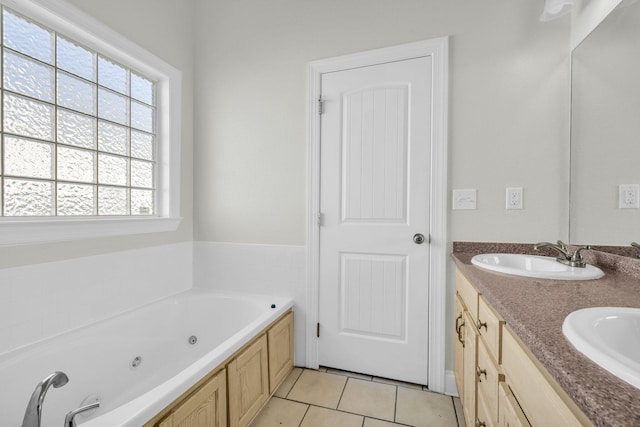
610 336
535 266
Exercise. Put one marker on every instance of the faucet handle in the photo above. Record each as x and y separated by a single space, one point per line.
563 245
577 256
70 419
637 246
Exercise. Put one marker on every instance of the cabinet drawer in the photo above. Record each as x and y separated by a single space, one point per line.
488 380
509 412
468 294
490 327
540 397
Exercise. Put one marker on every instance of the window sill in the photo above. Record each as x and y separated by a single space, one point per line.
21 231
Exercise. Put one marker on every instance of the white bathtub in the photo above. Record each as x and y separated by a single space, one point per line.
97 358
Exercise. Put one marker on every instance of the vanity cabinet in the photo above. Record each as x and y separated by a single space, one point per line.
466 347
469 379
507 386
458 347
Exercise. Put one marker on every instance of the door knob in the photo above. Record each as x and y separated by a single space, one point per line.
418 238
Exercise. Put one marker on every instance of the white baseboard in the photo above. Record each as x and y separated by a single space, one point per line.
450 384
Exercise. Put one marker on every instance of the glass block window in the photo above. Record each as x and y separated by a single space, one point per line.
78 129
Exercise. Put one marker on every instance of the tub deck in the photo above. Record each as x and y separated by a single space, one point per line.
98 358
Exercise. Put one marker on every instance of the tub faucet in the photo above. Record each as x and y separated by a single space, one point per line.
33 414
564 255
70 419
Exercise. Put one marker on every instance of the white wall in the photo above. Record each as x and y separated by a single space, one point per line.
39 301
261 269
509 118
586 15
509 114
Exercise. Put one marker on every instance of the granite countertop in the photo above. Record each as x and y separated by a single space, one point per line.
535 310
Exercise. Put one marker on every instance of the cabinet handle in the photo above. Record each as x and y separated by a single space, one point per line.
459 318
482 324
480 372
480 423
459 331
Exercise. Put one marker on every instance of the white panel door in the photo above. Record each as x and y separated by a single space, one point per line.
374 197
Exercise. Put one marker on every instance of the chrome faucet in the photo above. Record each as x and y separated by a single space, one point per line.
564 255
33 414
637 246
70 419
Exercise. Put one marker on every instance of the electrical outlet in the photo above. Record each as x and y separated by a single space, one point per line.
514 198
464 199
628 196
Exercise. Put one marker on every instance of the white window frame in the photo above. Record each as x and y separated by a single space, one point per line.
70 21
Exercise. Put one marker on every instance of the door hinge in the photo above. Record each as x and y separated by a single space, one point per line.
318 330
319 218
320 106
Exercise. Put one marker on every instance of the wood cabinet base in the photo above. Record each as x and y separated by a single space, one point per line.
235 392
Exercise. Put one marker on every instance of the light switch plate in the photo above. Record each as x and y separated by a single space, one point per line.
464 199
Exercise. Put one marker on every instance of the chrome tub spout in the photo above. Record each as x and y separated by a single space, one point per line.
33 414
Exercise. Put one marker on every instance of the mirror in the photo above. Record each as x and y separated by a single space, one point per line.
605 131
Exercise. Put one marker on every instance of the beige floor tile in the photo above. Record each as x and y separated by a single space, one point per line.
318 388
398 383
321 417
349 374
369 398
370 422
457 404
288 383
280 412
423 408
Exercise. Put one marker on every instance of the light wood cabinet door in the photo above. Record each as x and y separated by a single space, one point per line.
280 340
488 381
248 376
470 383
458 347
468 294
207 407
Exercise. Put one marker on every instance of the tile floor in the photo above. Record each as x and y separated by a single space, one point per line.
332 398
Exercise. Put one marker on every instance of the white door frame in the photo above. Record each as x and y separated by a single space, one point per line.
438 49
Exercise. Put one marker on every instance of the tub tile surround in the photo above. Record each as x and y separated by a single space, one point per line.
329 398
43 300
535 310
257 269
